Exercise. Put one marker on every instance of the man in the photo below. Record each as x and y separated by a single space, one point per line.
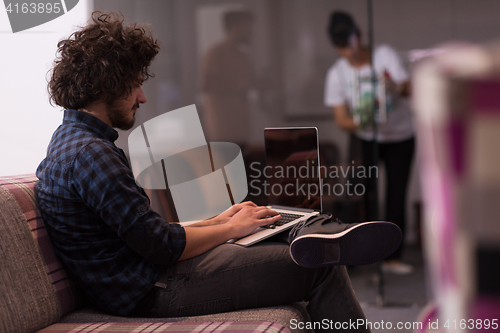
122 254
227 76
395 136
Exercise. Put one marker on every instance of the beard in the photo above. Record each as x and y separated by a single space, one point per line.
120 118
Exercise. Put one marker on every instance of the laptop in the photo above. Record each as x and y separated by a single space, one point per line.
291 179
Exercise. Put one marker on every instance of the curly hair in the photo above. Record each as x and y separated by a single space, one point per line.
102 61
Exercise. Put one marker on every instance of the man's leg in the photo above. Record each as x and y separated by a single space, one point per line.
398 158
370 196
231 277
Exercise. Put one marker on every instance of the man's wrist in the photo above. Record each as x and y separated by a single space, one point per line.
228 230
216 220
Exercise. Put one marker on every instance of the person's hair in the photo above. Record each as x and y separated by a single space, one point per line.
341 28
233 18
101 62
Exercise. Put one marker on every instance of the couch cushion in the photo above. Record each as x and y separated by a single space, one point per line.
34 280
27 301
225 326
283 315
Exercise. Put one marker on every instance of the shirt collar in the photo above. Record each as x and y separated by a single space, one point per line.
92 123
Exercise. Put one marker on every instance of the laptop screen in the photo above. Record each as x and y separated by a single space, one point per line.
292 167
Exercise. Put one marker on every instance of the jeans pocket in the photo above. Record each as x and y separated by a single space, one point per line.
208 307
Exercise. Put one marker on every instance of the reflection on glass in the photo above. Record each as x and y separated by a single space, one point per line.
227 77
292 171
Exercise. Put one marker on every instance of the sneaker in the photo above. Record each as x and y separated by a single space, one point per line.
397 267
319 242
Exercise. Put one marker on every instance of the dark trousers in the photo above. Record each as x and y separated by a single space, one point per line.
231 277
397 157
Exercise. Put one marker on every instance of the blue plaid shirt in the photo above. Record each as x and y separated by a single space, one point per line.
99 220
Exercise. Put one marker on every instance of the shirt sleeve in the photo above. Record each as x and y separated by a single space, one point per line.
103 179
334 90
392 62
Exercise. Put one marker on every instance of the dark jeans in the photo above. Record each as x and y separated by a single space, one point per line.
231 277
397 157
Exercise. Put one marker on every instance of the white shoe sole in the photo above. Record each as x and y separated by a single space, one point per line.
363 244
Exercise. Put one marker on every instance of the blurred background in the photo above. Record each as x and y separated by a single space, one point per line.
281 67
274 77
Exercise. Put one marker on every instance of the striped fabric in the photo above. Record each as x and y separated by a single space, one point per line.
21 188
225 326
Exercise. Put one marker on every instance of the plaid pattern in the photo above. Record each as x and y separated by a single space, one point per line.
227 326
100 221
22 187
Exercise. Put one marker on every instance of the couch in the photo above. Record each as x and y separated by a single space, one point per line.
36 293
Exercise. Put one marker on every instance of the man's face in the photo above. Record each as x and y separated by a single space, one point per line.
242 31
349 53
121 113
245 31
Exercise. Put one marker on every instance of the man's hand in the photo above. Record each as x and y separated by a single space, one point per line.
224 216
396 90
249 218
344 119
231 211
241 220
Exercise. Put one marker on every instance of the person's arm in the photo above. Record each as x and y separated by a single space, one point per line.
405 89
336 96
402 89
395 71
241 224
212 79
101 177
222 217
104 181
343 118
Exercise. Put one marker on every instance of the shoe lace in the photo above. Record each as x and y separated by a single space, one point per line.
305 223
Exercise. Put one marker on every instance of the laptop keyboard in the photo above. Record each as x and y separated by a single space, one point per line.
285 218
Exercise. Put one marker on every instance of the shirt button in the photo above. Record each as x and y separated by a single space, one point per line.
143 208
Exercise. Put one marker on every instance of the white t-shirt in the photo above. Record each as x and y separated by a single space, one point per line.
338 90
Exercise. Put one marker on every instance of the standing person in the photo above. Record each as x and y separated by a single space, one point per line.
124 256
227 79
348 91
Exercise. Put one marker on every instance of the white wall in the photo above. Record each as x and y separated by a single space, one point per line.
27 120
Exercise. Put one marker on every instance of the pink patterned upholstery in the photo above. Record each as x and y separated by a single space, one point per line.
226 326
22 188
